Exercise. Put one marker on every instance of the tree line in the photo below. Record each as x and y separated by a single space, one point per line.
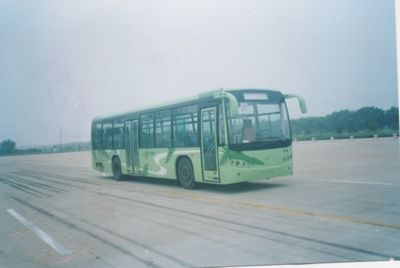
8 147
364 122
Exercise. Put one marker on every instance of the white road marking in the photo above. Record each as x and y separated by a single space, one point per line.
42 235
352 182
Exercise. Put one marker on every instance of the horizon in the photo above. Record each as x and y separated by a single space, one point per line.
89 140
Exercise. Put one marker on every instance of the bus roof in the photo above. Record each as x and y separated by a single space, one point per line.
205 95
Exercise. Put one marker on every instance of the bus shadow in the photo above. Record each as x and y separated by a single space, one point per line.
145 180
250 186
238 187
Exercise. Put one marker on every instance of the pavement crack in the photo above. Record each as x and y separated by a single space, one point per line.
314 240
109 243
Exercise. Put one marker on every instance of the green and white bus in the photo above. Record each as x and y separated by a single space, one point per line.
223 136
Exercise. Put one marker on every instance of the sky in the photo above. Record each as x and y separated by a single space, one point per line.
64 62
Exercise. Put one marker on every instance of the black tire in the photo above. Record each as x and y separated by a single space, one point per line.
116 169
185 173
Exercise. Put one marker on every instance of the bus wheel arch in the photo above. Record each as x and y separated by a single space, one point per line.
185 172
116 167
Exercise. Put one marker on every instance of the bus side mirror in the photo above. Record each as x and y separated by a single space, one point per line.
302 103
233 103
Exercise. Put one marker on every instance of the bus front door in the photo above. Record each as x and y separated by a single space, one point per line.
131 145
209 149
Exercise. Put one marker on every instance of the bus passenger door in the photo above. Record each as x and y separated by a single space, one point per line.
209 148
131 145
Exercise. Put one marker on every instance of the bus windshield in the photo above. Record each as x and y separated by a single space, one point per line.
259 124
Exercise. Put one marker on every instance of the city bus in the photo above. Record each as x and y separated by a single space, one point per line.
223 136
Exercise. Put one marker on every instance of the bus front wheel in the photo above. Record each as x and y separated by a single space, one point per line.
116 168
185 173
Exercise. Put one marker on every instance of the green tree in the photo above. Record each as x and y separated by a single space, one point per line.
7 146
392 118
371 118
346 122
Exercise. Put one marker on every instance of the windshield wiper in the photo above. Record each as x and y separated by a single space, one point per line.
272 139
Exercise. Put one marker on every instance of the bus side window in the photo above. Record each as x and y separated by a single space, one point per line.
147 130
185 126
97 136
107 135
163 129
118 132
221 126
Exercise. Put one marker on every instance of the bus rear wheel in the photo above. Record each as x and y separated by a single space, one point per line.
185 173
116 168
